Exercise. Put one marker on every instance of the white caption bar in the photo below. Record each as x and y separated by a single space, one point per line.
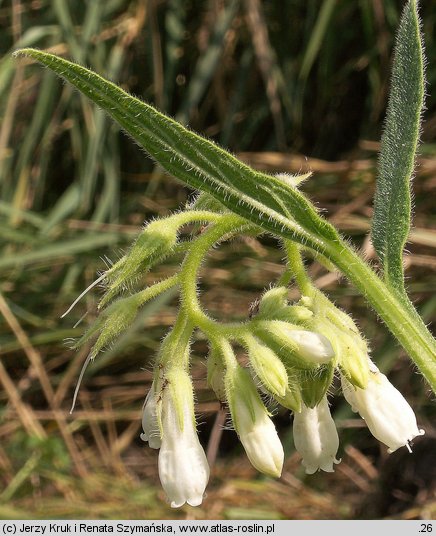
276 528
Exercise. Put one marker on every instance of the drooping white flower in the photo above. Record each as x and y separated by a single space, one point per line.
183 467
316 438
150 424
386 412
255 429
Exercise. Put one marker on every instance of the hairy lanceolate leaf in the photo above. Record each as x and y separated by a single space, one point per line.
265 200
392 203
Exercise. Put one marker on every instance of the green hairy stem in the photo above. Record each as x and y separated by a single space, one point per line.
399 315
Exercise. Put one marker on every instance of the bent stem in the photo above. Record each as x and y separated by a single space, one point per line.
394 309
228 224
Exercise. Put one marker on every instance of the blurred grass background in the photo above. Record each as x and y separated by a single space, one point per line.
288 86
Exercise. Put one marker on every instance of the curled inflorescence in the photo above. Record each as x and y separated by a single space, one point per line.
293 350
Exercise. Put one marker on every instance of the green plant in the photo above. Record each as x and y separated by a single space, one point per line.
293 349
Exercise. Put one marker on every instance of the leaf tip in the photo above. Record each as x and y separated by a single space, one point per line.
24 52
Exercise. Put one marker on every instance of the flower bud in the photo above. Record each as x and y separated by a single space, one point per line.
152 245
273 299
348 344
386 412
300 348
274 306
149 420
311 346
255 429
316 438
113 321
183 467
267 367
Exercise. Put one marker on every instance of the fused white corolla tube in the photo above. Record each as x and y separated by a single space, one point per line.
183 467
386 412
316 438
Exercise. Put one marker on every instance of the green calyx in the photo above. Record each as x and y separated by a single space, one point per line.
266 366
315 384
350 348
274 305
151 247
216 373
242 397
119 316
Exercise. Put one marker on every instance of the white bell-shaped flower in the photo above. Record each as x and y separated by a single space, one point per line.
150 424
386 412
255 429
183 467
316 438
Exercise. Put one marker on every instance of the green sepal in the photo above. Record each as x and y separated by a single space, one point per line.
216 373
152 246
292 399
273 305
353 361
240 389
272 301
176 383
112 322
119 315
351 350
315 384
267 366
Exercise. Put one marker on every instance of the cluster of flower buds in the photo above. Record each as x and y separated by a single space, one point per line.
291 360
291 355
